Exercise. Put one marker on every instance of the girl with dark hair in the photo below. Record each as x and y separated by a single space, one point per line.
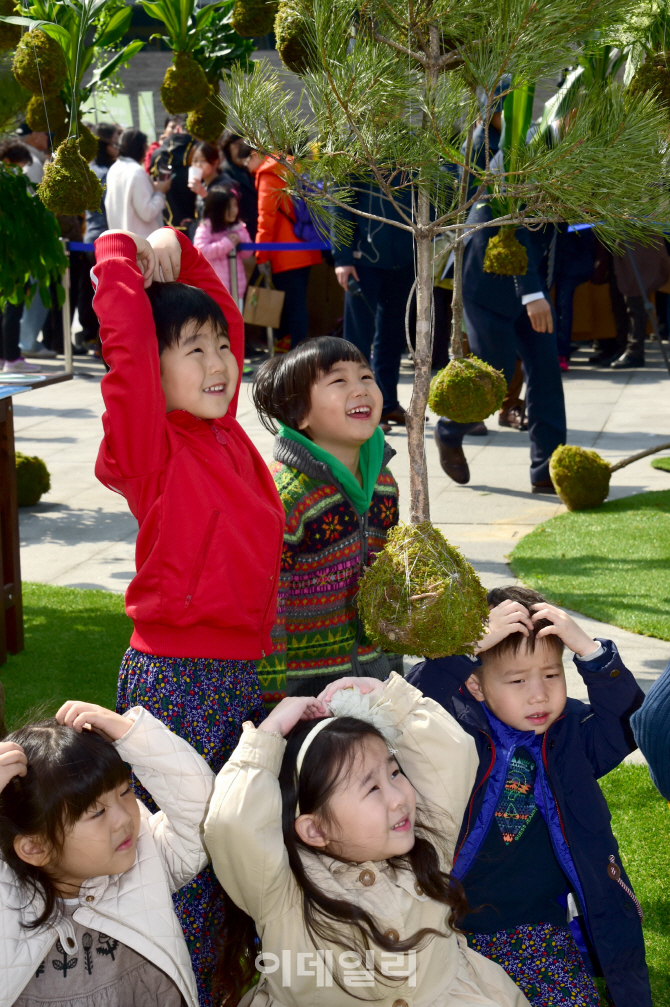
86 871
340 499
220 231
236 172
133 202
333 826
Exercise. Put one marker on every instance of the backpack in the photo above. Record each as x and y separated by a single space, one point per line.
303 225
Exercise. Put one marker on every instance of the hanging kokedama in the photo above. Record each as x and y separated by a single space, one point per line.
88 143
32 479
653 75
582 477
209 120
421 596
505 255
251 18
46 114
10 34
292 40
69 186
39 63
467 390
184 86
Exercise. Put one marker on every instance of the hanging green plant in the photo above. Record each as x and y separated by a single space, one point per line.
505 255
88 143
209 120
251 18
467 390
10 34
581 477
421 596
184 86
32 479
69 186
293 44
46 115
39 63
653 75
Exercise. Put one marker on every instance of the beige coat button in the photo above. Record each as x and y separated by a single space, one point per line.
400 1003
366 878
418 889
392 935
90 898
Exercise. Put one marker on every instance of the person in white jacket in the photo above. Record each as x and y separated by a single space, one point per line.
86 872
133 202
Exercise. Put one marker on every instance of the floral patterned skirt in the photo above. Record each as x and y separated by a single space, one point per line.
543 961
204 701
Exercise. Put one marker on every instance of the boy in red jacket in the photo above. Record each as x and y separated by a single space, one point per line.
211 524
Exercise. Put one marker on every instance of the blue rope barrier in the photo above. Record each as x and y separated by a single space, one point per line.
244 246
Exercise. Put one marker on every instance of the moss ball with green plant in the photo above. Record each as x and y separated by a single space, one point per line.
32 479
10 34
292 39
209 120
421 596
581 477
39 63
251 18
467 390
88 143
653 75
505 255
46 114
69 186
184 86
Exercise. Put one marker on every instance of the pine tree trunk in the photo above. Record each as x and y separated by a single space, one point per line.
419 505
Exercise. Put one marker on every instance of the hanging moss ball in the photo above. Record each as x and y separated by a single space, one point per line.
653 75
69 186
292 40
581 477
505 255
420 596
467 390
51 119
209 121
32 479
10 34
88 143
184 86
251 18
39 63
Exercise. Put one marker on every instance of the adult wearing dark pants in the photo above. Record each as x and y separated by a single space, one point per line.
508 316
380 257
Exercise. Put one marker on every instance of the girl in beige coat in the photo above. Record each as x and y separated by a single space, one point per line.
314 831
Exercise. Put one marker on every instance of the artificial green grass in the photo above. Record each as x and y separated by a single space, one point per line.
662 463
611 563
74 642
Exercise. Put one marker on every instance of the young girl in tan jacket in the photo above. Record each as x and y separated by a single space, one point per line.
333 826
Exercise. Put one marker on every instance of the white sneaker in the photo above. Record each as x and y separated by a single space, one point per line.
42 352
20 366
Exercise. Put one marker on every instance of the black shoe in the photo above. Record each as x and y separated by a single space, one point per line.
478 430
453 461
626 361
513 417
544 486
604 357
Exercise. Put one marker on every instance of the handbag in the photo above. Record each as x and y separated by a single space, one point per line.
263 305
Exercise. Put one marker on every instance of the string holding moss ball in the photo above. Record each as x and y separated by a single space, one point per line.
184 86
421 596
10 34
653 75
292 38
49 119
32 479
209 120
39 63
467 390
88 143
251 18
69 186
581 477
505 255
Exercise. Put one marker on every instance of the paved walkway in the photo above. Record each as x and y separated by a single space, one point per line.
82 535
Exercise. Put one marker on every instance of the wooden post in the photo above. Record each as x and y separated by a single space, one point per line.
11 603
67 322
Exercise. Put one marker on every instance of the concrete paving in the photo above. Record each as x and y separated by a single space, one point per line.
81 534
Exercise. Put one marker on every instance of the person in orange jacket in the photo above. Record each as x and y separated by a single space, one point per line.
289 270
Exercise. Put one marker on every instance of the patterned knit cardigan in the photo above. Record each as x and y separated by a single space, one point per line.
318 636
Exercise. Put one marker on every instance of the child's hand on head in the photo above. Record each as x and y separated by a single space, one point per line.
286 714
88 716
565 627
167 251
145 254
13 762
506 618
364 685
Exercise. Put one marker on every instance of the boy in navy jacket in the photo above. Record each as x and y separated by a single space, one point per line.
536 854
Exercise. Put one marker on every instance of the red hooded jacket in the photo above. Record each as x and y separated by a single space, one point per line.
210 520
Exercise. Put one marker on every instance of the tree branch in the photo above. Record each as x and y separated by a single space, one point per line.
400 48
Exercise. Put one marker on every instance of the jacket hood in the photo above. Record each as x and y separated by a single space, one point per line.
295 456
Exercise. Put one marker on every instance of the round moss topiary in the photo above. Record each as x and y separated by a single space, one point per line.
292 40
581 477
653 75
420 596
184 86
39 63
10 34
32 479
88 143
467 390
251 18
49 120
505 255
209 120
69 186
